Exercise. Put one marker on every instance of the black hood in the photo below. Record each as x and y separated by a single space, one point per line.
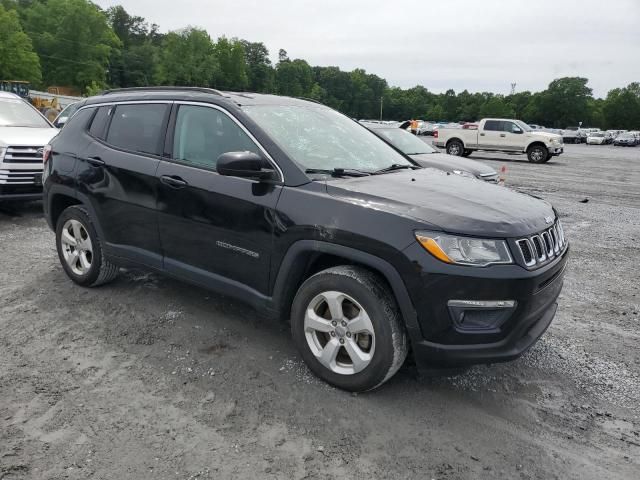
451 202
449 163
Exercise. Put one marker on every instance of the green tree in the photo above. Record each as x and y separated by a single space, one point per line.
232 74
187 58
18 61
496 106
260 72
134 65
565 102
73 40
294 78
621 108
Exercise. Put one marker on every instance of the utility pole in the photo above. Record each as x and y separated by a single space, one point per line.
513 88
381 100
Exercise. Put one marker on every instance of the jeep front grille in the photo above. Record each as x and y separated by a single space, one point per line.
542 247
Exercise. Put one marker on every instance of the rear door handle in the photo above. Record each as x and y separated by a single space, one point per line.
95 161
173 182
503 134
482 134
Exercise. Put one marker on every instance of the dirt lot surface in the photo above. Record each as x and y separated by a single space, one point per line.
150 378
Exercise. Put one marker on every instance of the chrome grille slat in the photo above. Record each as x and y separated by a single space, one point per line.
28 154
543 247
18 177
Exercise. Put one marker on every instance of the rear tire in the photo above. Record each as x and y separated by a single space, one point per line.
80 249
537 154
347 326
455 147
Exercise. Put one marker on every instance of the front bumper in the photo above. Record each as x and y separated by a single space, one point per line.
442 344
556 149
20 192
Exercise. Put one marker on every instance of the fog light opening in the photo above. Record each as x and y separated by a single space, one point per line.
480 316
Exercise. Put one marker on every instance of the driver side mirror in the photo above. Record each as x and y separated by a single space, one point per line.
516 129
245 165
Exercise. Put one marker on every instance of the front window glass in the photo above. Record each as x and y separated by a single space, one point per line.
523 126
18 113
404 141
317 137
203 134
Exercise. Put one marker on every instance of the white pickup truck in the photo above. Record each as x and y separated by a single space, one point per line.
500 135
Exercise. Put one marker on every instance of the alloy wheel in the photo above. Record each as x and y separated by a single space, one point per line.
339 332
76 247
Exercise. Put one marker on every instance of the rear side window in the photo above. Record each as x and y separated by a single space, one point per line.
492 125
137 127
99 123
202 134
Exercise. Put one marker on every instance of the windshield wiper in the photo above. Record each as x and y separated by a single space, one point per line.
394 166
338 172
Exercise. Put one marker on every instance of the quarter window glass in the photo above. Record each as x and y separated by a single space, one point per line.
99 122
202 134
137 127
492 125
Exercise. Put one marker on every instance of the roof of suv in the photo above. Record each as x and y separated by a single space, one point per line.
9 95
194 94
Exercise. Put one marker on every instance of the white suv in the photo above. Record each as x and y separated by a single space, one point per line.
24 132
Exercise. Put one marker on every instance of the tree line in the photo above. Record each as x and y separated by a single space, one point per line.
75 43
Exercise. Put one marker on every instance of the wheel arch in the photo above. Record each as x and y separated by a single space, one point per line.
536 143
307 257
60 197
455 139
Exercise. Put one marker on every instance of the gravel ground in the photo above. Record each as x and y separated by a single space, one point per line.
150 378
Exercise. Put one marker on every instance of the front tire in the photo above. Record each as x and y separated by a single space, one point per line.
348 329
80 249
466 153
537 154
455 147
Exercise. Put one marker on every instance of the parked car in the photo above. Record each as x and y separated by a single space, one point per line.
571 135
626 140
501 135
427 156
366 253
596 138
24 132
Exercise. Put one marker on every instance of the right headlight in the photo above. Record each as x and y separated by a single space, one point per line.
475 252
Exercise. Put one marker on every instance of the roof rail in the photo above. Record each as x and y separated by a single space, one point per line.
162 89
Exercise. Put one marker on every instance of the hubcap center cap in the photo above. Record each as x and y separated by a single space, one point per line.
340 331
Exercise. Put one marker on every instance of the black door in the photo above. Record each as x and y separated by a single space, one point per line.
118 175
215 230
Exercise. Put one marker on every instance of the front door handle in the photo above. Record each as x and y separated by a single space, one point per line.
482 134
173 181
503 134
95 161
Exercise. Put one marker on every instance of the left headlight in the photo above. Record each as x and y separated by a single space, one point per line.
475 252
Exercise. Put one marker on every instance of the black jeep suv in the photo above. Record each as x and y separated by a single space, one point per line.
306 214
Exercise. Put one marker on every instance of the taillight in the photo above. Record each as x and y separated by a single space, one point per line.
435 134
46 153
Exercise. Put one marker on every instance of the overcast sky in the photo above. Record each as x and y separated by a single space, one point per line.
480 45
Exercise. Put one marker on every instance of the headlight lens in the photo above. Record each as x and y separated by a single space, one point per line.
476 252
464 173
